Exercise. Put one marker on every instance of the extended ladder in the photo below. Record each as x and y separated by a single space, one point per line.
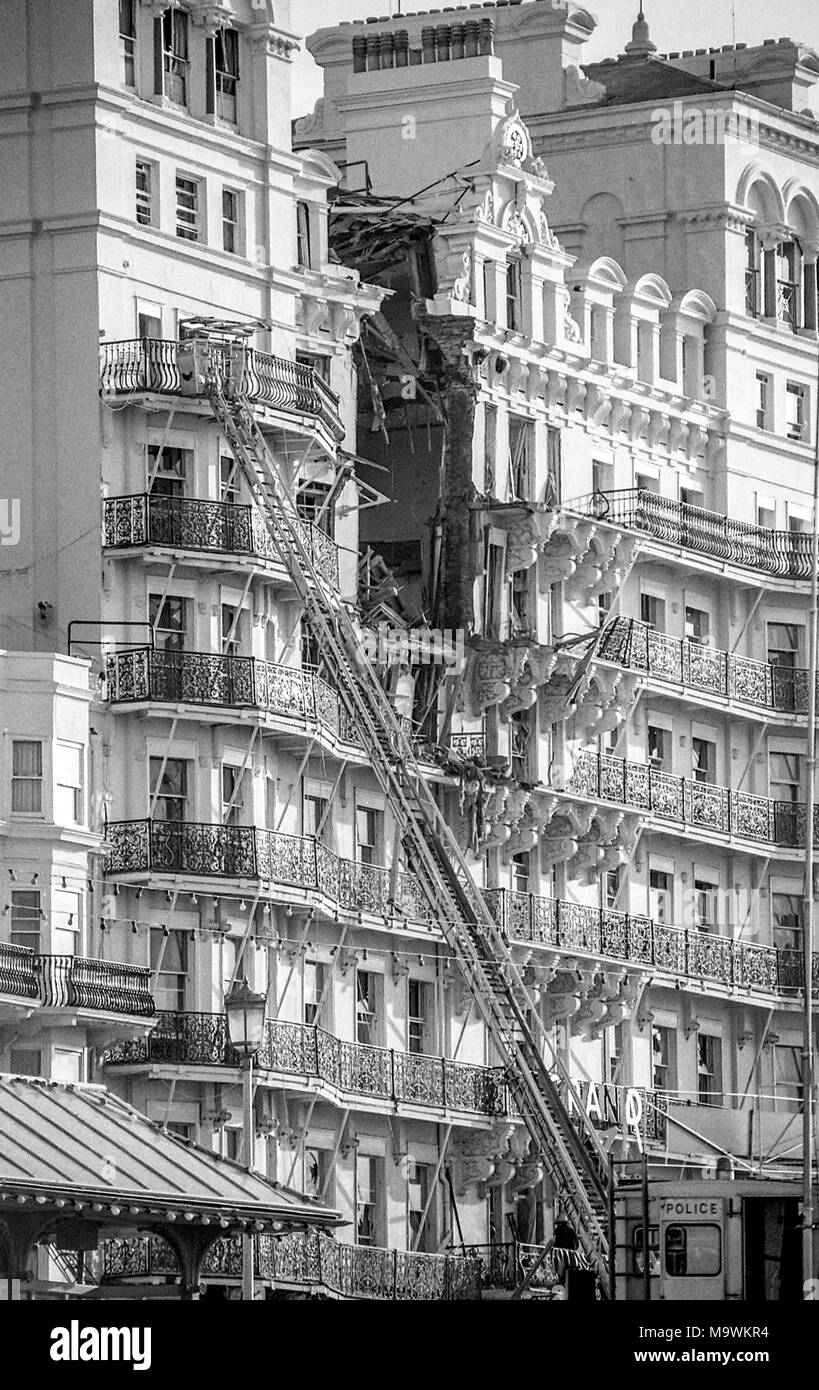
567 1144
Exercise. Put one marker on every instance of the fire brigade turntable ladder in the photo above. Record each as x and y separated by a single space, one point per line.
566 1144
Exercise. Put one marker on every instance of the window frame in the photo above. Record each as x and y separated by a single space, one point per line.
304 235
159 606
174 23
36 780
370 847
374 1203
144 196
710 1074
368 1008
189 221
128 42
797 428
764 402
232 226
181 799
76 787
513 295
26 918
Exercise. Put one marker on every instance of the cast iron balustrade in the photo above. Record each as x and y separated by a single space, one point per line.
301 1049
783 553
470 746
151 364
699 805
190 523
505 1265
681 952
235 851
176 847
75 982
17 977
630 643
203 678
309 1259
82 983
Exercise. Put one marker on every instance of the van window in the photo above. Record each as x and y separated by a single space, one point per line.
693 1250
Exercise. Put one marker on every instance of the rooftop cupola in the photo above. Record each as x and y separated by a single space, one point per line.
641 45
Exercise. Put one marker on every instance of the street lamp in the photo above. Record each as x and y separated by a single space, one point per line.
245 1012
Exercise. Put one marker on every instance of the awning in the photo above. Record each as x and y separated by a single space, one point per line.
80 1151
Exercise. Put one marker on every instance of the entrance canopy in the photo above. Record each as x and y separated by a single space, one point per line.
76 1161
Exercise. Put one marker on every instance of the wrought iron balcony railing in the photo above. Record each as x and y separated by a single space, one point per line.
17 977
471 746
190 523
151 365
82 983
75 982
299 1049
204 678
638 647
307 1259
504 1265
783 553
680 952
235 851
140 846
698 805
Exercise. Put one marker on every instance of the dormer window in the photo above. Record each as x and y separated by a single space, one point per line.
223 74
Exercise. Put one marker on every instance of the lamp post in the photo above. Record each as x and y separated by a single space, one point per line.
245 1012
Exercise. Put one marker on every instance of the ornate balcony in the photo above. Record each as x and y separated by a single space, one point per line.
214 528
678 952
17 978
695 805
226 682
471 747
150 365
77 982
298 1049
638 647
235 851
74 982
307 1260
786 554
505 1265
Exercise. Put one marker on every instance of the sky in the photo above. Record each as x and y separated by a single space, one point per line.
674 26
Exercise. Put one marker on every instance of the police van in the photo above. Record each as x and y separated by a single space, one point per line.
718 1239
